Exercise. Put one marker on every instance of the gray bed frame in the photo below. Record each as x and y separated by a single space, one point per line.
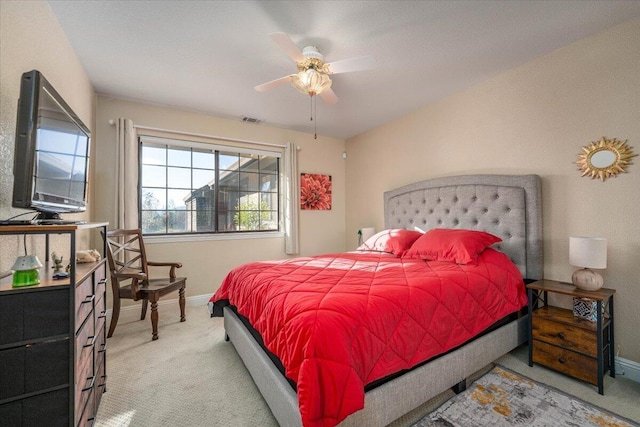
508 206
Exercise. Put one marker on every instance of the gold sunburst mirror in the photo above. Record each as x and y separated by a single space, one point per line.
605 158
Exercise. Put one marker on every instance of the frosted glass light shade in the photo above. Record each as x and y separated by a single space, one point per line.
311 82
588 252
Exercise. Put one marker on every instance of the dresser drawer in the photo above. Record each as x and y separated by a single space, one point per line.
100 286
100 275
566 361
88 414
564 335
84 299
101 375
26 316
84 371
100 310
83 393
48 409
28 369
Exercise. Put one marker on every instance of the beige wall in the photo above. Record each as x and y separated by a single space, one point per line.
31 38
207 262
532 119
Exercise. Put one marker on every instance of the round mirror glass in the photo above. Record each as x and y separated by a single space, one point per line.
603 158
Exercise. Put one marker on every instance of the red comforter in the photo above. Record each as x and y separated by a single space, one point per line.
340 321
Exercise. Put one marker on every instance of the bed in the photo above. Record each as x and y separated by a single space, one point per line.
507 206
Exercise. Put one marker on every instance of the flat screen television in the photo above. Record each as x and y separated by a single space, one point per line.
51 157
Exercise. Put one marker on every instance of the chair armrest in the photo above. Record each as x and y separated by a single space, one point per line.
136 279
173 265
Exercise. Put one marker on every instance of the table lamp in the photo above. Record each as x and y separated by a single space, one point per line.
26 271
587 253
364 234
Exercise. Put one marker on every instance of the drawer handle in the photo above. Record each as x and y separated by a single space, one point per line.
89 299
102 281
561 335
103 314
104 348
91 341
561 360
93 381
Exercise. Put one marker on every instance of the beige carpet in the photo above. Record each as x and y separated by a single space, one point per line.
192 377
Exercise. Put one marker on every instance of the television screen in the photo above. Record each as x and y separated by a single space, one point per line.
51 153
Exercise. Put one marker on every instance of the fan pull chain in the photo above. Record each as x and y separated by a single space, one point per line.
314 106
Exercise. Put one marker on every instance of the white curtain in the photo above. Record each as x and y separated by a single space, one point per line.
126 184
291 200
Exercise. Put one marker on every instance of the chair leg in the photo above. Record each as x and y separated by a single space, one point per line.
154 320
114 317
181 300
145 302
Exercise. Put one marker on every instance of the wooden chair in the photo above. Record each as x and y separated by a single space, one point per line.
129 270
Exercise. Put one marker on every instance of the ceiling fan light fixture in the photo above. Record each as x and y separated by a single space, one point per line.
311 82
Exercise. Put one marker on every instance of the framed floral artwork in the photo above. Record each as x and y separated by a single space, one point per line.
315 192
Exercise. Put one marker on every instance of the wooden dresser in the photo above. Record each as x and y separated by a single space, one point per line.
561 341
53 340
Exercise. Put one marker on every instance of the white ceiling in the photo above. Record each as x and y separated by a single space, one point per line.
207 56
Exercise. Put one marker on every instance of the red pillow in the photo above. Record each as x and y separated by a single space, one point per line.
453 245
395 241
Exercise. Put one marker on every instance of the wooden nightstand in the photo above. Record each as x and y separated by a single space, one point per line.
577 347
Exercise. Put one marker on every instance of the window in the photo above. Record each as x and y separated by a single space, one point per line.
190 187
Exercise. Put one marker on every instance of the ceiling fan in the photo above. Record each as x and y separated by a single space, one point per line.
313 73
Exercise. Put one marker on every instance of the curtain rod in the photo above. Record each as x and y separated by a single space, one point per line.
201 135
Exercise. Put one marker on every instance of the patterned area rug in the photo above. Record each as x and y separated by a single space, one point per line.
504 398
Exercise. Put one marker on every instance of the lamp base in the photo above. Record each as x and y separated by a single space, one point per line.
25 278
587 280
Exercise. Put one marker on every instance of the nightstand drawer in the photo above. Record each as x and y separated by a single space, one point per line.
566 361
564 335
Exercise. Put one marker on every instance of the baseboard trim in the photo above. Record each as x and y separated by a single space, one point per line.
624 367
131 313
628 369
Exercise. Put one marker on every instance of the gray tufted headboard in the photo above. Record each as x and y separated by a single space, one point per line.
508 206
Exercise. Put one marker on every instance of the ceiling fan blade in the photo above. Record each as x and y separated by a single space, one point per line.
329 97
353 64
288 46
274 83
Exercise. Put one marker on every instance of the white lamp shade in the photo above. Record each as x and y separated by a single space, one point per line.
367 232
588 252
26 263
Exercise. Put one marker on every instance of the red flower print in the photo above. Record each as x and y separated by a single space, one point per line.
315 192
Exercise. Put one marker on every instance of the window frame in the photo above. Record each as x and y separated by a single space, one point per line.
215 147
